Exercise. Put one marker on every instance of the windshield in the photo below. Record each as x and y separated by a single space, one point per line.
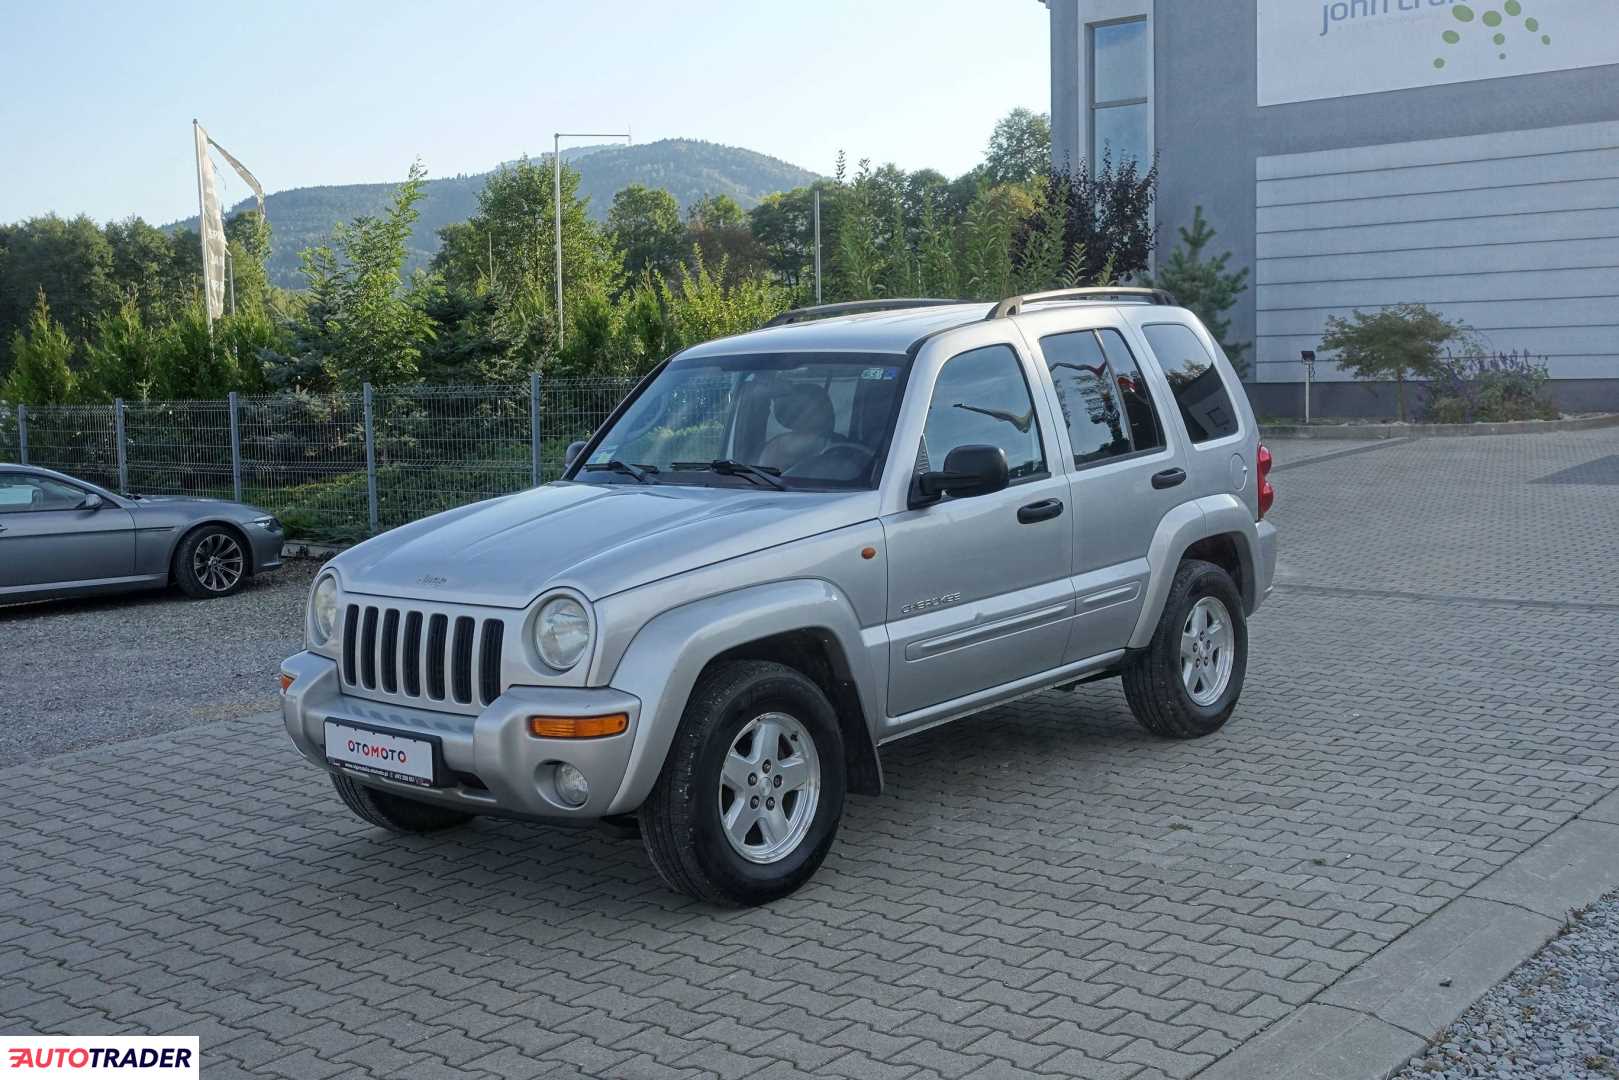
807 421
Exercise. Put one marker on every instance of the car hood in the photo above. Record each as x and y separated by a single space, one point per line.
599 539
197 504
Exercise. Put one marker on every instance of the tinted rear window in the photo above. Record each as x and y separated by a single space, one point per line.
1200 393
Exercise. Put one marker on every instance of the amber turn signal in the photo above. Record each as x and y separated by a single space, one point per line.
578 727
286 681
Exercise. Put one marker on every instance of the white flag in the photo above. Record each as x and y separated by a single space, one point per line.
211 223
241 170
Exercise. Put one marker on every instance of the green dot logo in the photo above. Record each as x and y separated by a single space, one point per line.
1493 19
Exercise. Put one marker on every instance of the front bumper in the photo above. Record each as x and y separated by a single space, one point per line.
266 544
492 764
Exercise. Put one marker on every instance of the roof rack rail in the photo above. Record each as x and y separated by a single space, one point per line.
1013 305
855 307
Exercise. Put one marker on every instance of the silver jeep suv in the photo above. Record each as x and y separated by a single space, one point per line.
787 548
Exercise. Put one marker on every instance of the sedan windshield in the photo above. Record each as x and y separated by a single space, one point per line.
804 421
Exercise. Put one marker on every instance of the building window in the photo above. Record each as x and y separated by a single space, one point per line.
1120 75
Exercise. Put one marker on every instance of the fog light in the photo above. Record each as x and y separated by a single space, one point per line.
572 787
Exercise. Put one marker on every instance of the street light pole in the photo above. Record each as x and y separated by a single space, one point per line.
817 245
556 185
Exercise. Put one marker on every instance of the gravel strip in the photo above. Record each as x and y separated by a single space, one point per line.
81 673
1557 1016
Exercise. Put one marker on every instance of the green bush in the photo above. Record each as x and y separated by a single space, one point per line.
1490 389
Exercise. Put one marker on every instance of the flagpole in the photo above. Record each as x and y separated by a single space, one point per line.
202 236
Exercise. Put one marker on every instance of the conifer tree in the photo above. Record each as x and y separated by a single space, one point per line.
1204 285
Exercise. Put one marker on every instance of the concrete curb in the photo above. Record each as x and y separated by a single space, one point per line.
1334 455
1375 1018
305 549
1425 431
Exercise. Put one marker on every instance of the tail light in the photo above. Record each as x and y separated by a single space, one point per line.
1267 494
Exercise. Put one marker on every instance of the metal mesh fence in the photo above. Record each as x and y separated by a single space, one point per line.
77 439
570 410
174 448
443 446
305 457
9 450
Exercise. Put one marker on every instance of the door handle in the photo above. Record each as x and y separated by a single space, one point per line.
1168 478
1044 510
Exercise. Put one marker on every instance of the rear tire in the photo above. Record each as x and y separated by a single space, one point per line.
395 812
1186 682
750 796
211 562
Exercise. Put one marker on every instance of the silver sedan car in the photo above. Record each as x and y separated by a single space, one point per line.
61 536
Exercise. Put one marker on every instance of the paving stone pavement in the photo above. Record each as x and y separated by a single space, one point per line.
1043 891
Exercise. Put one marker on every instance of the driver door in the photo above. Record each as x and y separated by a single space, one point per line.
979 590
45 539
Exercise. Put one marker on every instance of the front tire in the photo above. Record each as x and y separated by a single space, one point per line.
211 562
1186 682
395 812
750 796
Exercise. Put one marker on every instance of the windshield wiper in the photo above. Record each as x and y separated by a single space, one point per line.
764 474
641 473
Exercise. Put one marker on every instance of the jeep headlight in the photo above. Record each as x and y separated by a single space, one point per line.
323 610
562 632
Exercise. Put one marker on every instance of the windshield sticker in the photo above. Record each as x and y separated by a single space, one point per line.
873 373
890 373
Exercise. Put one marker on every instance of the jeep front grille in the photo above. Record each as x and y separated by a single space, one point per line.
434 657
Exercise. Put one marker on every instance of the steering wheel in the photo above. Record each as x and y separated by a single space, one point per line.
840 461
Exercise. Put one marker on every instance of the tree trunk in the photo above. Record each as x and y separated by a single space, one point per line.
1399 381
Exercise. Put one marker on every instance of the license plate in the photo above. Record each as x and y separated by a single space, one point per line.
397 757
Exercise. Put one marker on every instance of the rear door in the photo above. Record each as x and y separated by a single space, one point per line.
46 539
1221 443
1125 476
978 587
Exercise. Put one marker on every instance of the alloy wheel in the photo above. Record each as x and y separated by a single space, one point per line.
1208 648
218 562
769 787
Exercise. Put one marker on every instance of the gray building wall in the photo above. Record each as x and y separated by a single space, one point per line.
1210 133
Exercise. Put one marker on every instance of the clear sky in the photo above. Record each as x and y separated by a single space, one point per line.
96 99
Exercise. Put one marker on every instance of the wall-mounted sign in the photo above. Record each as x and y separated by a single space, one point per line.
1310 49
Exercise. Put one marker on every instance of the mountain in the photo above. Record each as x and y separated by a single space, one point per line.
687 168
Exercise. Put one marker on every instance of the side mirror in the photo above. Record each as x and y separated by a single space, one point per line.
571 455
968 471
91 501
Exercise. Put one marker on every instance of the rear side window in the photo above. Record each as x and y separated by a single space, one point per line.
1145 430
1105 405
1088 396
1200 393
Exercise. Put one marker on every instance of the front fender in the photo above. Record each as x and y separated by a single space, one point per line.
1213 515
663 662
